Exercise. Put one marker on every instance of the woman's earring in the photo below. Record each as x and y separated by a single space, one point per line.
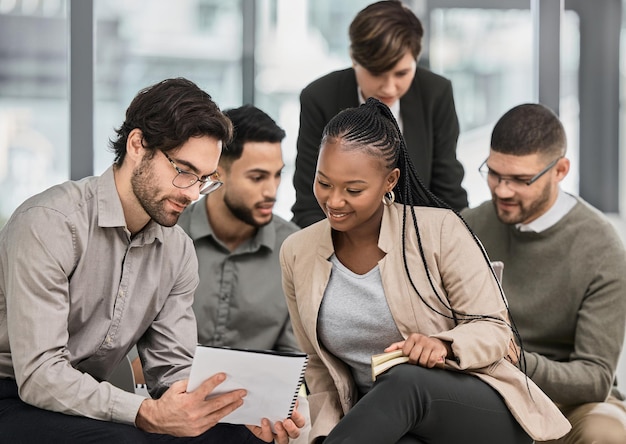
389 198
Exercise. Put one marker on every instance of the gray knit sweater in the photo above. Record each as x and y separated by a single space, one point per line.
566 288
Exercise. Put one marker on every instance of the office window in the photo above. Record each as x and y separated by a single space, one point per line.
570 99
486 53
33 99
488 56
622 122
139 43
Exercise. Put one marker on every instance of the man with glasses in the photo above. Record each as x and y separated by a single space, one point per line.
564 272
91 268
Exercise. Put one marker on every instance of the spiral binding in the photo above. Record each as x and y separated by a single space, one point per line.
300 382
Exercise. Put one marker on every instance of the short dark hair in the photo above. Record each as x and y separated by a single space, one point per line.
529 128
168 113
250 124
381 33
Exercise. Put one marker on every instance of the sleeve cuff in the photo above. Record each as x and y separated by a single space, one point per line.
125 407
531 363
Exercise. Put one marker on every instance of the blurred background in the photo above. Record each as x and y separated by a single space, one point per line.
69 69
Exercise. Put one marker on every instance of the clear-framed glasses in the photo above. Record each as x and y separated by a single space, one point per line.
186 179
513 182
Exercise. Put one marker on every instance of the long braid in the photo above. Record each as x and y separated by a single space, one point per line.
362 127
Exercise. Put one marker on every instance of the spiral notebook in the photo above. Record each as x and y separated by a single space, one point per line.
271 378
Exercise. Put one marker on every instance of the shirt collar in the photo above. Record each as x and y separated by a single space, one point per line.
199 227
111 213
395 108
266 236
563 204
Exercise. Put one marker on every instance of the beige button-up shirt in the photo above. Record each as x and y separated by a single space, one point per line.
77 292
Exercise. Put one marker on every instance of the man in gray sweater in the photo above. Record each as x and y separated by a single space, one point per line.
564 272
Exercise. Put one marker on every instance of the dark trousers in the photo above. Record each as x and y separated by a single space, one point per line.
21 423
414 405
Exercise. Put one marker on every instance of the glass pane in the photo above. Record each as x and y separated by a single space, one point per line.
34 141
139 43
297 42
569 103
488 56
622 143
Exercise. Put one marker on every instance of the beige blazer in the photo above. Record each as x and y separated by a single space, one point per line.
459 272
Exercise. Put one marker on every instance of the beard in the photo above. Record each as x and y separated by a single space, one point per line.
244 213
144 182
525 211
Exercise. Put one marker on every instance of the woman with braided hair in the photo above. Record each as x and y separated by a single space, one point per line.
392 268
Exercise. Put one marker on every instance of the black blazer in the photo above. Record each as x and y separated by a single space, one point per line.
430 128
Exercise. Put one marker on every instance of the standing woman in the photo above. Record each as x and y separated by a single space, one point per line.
385 43
379 275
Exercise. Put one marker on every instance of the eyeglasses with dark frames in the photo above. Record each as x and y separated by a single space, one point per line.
513 182
186 179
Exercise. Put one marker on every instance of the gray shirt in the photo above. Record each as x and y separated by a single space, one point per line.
239 301
77 292
355 321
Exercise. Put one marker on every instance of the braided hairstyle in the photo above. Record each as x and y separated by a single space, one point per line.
372 128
